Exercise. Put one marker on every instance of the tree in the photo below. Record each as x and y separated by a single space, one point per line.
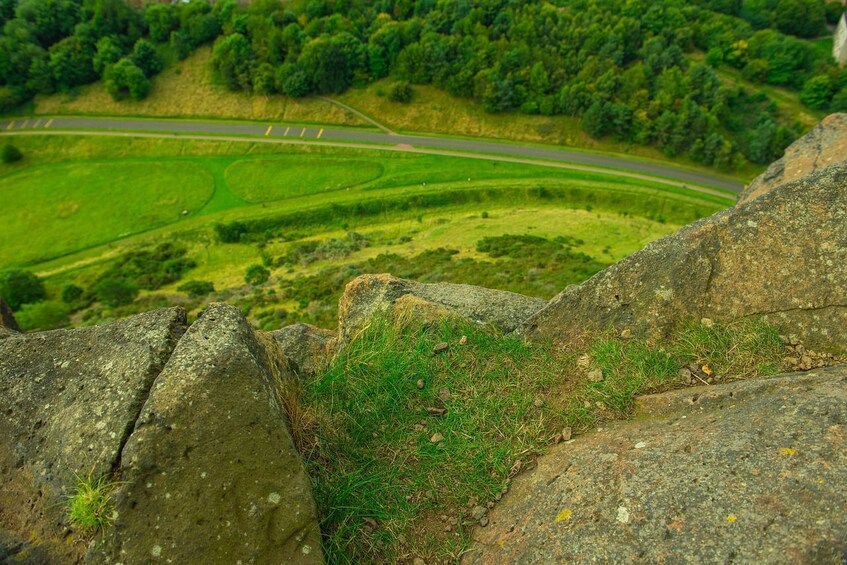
46 315
71 293
21 287
817 92
124 79
162 19
232 59
10 154
108 53
115 292
196 289
256 275
146 58
401 92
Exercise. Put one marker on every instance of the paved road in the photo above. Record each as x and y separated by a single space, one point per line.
282 131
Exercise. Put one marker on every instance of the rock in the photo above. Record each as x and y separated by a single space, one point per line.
707 322
584 361
420 384
626 333
432 411
440 348
596 376
781 257
567 433
538 402
419 561
371 295
463 340
210 473
444 394
436 437
824 146
477 512
69 399
483 521
755 468
308 348
7 319
686 375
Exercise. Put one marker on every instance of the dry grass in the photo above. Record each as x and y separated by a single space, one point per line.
187 89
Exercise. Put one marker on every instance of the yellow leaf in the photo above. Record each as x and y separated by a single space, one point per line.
706 369
731 518
787 451
564 515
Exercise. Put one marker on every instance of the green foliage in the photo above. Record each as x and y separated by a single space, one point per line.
44 315
256 275
197 289
91 505
10 154
817 92
401 92
146 58
233 59
71 293
151 268
115 292
125 79
21 287
309 252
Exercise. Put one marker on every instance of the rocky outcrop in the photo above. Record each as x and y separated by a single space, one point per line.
822 147
370 295
210 473
747 472
7 320
307 348
782 256
68 401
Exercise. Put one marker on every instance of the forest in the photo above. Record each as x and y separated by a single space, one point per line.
640 71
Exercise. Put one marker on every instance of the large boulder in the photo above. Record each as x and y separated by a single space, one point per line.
210 473
822 147
307 348
68 401
782 256
749 472
372 295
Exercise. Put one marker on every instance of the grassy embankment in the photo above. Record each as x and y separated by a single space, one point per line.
89 199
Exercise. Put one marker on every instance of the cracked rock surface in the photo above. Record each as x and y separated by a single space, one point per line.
747 472
782 256
68 401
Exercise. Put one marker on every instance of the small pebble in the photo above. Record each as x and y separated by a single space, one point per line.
440 348
567 433
539 402
484 521
444 394
436 437
463 340
596 376
420 384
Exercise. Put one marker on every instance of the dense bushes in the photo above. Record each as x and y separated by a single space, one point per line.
21 287
10 154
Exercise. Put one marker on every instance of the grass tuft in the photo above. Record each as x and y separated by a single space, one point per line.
91 505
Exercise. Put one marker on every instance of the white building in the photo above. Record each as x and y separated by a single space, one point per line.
839 41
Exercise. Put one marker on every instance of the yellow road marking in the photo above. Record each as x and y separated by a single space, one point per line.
268 131
320 133
25 124
286 131
11 125
37 123
49 123
302 133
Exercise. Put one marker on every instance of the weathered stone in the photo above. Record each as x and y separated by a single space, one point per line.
308 348
782 256
371 295
210 473
7 319
822 147
68 401
748 472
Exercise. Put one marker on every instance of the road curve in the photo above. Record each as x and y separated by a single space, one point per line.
282 132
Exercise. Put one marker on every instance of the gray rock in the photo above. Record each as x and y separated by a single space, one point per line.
308 348
822 147
68 401
782 256
210 473
7 319
749 472
371 295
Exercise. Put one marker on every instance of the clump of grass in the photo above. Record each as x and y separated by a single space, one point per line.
91 505
379 477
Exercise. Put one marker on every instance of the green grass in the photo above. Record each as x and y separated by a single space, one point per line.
263 180
50 210
365 427
91 505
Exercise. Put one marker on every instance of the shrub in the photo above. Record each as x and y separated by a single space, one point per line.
256 274
197 289
401 92
115 292
90 506
45 315
21 287
10 154
71 293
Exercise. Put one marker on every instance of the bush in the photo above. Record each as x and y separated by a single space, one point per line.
197 289
401 92
21 287
256 274
115 292
46 315
10 154
71 293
